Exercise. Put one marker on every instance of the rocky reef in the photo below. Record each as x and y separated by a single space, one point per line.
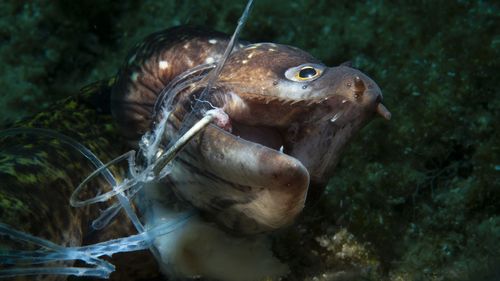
415 198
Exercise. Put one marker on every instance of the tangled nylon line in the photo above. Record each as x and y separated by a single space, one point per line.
155 165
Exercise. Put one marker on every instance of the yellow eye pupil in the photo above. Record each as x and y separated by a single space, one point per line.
307 73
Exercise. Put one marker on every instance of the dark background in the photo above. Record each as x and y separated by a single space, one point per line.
422 189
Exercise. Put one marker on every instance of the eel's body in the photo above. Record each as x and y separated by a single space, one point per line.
38 175
290 118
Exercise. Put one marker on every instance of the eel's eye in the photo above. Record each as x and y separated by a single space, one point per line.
304 73
307 72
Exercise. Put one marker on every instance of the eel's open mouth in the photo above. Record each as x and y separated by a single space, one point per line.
266 136
316 139
314 145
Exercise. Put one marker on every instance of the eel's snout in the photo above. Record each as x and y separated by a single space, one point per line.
360 90
370 94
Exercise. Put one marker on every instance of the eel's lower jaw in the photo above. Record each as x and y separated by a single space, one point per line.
255 188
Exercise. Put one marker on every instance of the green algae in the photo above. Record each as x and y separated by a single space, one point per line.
419 193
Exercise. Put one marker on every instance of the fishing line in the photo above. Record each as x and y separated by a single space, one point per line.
190 76
89 254
156 169
103 169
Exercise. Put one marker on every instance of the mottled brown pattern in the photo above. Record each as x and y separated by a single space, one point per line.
38 175
142 78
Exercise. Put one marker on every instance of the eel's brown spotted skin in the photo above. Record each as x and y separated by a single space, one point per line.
38 175
151 65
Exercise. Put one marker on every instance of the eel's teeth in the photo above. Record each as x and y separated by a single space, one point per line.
311 102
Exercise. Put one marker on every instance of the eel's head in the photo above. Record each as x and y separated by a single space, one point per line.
291 117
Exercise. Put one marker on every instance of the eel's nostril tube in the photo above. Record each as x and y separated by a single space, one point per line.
383 111
359 86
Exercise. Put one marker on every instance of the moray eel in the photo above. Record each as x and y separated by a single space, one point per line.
290 118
